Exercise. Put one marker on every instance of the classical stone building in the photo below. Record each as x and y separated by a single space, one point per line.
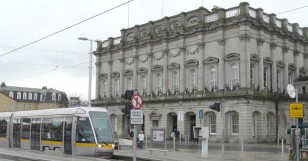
182 64
14 98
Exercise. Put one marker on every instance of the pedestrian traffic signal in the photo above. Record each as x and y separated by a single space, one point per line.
128 94
215 107
126 109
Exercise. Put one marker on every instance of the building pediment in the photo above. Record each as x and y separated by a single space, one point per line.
232 56
211 60
280 63
157 68
191 62
128 72
103 76
174 66
254 57
115 75
292 66
267 60
142 71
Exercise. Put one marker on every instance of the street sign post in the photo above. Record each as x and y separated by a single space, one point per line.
136 101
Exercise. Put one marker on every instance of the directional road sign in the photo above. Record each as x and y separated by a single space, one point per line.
136 101
136 117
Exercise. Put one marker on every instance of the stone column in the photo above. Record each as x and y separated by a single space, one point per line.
221 64
273 46
182 70
98 88
135 76
122 61
109 85
244 57
261 62
201 74
285 50
296 62
150 76
165 71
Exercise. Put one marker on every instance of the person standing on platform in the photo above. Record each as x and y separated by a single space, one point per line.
177 135
141 139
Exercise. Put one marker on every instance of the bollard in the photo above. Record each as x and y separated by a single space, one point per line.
173 143
282 150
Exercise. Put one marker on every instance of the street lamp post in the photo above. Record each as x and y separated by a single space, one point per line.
90 67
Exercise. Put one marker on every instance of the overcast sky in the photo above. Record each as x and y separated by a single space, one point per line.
61 61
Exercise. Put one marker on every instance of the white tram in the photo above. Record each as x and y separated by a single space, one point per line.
78 131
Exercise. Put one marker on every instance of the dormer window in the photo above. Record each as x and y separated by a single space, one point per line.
24 96
30 96
18 95
11 94
35 97
53 96
59 97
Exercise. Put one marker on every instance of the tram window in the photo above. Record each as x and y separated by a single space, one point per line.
57 129
3 127
102 127
46 129
25 133
84 133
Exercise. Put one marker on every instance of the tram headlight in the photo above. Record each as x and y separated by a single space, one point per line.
99 145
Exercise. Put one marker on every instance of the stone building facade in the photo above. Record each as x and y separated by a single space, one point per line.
182 64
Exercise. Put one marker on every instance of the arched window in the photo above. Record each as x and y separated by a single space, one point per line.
53 96
279 81
129 83
234 75
11 94
59 97
35 96
159 82
265 83
30 96
234 124
213 77
252 75
24 96
143 83
212 120
290 77
116 87
104 88
41 97
175 80
193 79
18 95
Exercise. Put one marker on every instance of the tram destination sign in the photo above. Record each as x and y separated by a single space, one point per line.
136 117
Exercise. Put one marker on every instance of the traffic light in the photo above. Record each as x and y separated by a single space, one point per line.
215 107
126 109
128 94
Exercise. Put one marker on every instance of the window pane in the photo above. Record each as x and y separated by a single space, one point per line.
25 131
84 133
3 127
102 127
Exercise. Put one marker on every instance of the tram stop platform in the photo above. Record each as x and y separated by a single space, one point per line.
28 155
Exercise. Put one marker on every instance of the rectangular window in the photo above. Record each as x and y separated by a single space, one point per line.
213 124
84 132
303 90
25 129
3 127
234 124
155 123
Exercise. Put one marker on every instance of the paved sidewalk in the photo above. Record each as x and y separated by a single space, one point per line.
185 153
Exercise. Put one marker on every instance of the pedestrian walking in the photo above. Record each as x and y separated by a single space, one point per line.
177 135
141 139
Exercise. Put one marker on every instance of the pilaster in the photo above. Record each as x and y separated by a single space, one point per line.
150 75
182 69
221 64
109 86
274 66
201 66
261 62
165 70
244 56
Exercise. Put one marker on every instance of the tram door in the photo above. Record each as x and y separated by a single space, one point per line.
16 133
68 135
35 134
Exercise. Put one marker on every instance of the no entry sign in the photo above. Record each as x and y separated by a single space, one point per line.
136 101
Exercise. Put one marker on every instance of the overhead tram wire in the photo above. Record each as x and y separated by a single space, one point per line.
57 68
291 10
33 42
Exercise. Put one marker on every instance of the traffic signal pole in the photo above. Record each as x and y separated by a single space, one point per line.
297 133
223 129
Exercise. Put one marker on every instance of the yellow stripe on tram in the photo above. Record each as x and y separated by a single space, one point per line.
25 140
3 138
51 142
86 144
